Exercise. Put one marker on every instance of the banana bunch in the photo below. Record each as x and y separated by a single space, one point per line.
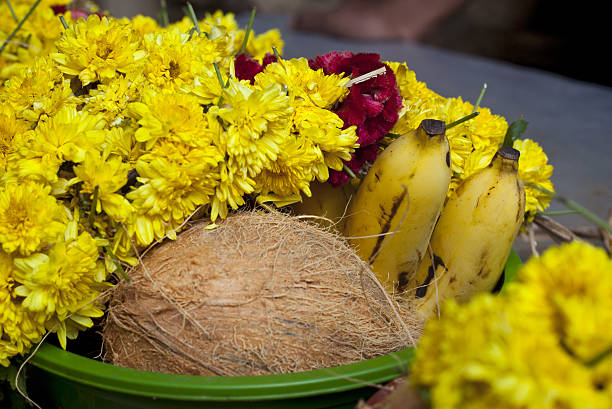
392 216
473 237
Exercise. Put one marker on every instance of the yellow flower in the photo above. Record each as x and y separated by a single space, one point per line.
174 59
111 99
323 128
175 178
30 218
260 45
257 121
11 129
169 116
144 24
19 328
534 169
541 345
569 288
304 85
105 175
65 137
205 87
59 281
283 180
38 91
99 49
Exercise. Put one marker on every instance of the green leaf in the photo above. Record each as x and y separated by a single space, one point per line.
515 131
513 265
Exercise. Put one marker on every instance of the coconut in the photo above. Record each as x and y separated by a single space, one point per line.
259 294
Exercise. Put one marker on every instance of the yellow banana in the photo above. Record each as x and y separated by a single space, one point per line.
327 201
393 214
473 236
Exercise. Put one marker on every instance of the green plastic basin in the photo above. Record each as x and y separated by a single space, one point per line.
61 379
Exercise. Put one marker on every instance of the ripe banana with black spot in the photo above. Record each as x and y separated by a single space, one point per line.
393 214
327 201
473 237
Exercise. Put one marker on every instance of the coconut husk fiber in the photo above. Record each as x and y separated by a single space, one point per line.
259 294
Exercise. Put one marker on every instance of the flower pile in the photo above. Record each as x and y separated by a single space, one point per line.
113 132
545 343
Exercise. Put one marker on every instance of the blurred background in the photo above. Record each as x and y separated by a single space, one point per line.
567 38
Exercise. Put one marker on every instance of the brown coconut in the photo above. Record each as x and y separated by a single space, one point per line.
260 294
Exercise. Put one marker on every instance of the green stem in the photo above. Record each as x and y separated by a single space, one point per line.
479 100
584 212
278 57
10 6
248 32
163 14
559 212
349 171
462 120
63 20
117 263
23 20
220 79
94 205
194 19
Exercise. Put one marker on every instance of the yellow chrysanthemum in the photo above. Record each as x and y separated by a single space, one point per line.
534 170
111 99
220 20
569 288
174 117
541 345
30 218
11 129
36 37
257 123
304 85
65 137
38 91
260 45
19 328
144 24
283 180
59 281
324 129
205 87
102 177
175 178
174 59
122 142
99 49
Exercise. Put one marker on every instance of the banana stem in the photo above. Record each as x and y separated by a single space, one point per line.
584 212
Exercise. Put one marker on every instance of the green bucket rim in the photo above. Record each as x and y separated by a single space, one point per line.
232 388
221 388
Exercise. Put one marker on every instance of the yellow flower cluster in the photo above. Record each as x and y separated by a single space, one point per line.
543 344
114 131
473 143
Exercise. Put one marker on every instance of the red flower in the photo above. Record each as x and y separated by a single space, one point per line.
372 106
247 67
75 14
